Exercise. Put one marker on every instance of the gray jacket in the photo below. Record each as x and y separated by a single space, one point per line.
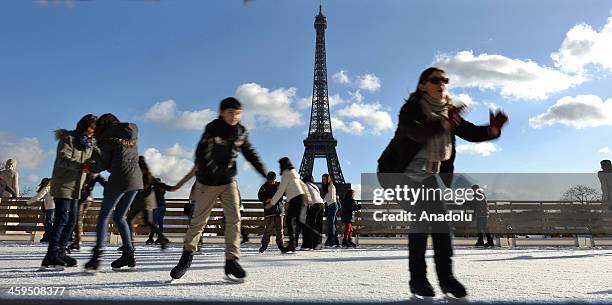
117 153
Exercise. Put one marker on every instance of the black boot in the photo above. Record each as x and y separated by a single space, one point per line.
489 242
450 285
234 269
126 259
344 243
182 266
480 242
70 262
163 242
290 247
149 241
52 260
282 247
263 247
421 288
351 243
94 263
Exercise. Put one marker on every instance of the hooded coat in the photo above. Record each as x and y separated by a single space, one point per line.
68 176
117 153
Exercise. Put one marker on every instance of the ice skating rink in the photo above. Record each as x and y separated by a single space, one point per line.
368 274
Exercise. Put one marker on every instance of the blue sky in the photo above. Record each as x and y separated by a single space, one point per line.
165 65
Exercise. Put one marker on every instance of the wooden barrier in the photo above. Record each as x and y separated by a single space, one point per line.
509 218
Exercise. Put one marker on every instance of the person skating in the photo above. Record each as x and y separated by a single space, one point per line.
145 202
314 217
84 203
423 147
328 192
297 195
348 207
159 213
273 213
215 161
74 149
43 193
481 215
117 153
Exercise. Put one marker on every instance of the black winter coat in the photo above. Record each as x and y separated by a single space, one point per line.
348 206
267 191
413 131
118 154
217 152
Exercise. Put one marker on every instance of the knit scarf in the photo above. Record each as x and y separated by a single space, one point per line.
439 147
83 142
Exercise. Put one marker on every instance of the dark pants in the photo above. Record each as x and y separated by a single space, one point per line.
63 222
49 214
332 235
417 240
314 226
158 220
482 228
121 203
147 216
292 217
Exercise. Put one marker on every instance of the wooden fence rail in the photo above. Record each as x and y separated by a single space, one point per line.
506 218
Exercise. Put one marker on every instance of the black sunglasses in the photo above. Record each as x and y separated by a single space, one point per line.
438 80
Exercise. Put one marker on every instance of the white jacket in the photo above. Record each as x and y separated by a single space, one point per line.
330 197
315 194
291 186
44 195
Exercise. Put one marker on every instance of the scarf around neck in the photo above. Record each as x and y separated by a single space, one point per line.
439 147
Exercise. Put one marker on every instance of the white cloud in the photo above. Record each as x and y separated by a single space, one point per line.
166 113
579 112
245 166
32 179
357 189
369 82
484 149
179 151
306 102
583 46
515 78
464 99
26 151
352 127
357 96
169 168
341 77
371 115
271 108
605 150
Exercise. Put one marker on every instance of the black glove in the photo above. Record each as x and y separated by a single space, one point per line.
187 208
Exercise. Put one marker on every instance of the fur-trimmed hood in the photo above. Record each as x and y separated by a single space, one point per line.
62 133
125 134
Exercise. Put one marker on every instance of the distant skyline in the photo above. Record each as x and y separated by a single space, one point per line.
165 66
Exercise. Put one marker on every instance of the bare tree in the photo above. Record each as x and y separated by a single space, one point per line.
27 191
581 193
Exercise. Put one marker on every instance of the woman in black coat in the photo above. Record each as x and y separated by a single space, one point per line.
422 149
117 153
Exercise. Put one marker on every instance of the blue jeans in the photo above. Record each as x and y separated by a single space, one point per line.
63 222
332 237
158 219
121 203
49 214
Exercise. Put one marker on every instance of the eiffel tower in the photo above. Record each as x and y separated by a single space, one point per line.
320 142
